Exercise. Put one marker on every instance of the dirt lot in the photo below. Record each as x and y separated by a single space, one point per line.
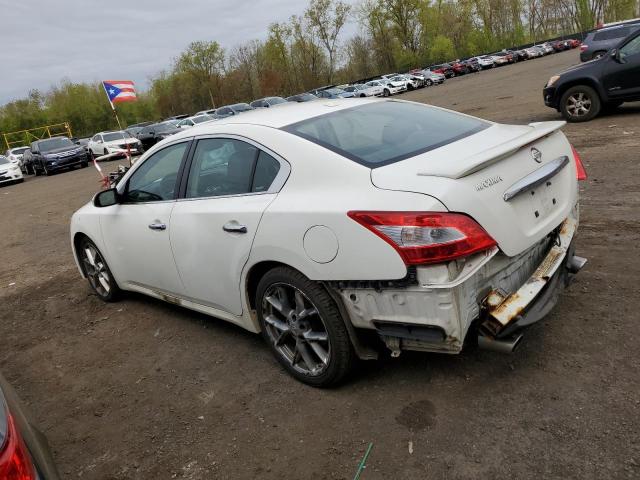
146 390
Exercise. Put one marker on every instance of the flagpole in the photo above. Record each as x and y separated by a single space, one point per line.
112 106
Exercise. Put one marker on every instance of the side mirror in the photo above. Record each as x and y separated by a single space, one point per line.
107 198
615 54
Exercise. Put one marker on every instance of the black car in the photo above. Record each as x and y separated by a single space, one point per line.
152 134
47 156
24 451
581 92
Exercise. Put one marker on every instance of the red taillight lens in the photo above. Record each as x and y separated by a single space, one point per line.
583 48
425 237
581 173
15 463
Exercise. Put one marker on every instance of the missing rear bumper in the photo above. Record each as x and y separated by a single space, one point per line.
504 315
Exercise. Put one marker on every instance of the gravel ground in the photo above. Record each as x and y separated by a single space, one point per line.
146 390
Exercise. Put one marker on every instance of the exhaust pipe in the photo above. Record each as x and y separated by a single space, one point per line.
575 264
508 345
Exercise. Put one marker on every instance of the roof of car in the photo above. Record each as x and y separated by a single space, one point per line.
286 114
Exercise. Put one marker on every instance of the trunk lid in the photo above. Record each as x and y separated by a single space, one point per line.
472 175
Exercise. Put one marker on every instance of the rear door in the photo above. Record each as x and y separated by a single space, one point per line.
230 182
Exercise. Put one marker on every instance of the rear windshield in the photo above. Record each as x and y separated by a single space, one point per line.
386 132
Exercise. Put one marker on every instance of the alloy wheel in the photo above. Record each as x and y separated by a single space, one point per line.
296 329
96 270
578 104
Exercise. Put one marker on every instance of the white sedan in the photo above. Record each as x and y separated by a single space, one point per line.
10 172
195 120
335 226
116 143
15 155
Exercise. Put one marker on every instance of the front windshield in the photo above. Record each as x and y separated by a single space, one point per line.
114 136
54 143
4 160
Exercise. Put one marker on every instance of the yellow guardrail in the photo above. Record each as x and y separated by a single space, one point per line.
25 137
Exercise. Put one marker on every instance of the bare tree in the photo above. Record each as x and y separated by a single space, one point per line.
328 17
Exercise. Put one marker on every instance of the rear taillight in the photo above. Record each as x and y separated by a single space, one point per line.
15 463
583 48
425 237
581 173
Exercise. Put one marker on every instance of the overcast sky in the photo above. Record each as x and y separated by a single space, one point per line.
44 41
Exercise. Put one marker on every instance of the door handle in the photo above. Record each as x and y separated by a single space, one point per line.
234 228
157 226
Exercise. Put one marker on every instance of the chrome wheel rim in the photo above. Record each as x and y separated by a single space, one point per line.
578 104
96 270
296 329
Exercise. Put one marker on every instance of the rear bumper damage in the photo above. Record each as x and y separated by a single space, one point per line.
487 300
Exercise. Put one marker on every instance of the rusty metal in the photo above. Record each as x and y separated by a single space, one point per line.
500 311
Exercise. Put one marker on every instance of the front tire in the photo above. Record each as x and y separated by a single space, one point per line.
97 271
303 327
580 104
386 93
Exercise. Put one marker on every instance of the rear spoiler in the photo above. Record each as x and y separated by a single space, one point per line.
492 155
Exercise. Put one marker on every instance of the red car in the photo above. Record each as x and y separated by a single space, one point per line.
444 68
24 452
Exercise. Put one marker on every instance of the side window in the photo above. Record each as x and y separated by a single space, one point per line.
155 179
631 48
267 169
221 166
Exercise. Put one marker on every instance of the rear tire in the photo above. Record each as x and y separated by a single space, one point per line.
386 93
303 327
598 54
580 104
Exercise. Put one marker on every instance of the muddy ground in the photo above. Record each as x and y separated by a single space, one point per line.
145 390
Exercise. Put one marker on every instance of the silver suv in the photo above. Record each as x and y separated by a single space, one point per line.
598 42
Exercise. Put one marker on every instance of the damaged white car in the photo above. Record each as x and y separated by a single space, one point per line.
337 227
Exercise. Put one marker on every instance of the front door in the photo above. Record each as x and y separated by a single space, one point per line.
622 76
229 185
137 231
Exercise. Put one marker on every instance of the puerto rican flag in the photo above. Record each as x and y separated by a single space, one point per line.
119 90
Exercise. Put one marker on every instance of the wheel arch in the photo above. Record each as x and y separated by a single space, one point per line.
77 238
259 269
587 81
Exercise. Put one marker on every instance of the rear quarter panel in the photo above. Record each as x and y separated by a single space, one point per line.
322 187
